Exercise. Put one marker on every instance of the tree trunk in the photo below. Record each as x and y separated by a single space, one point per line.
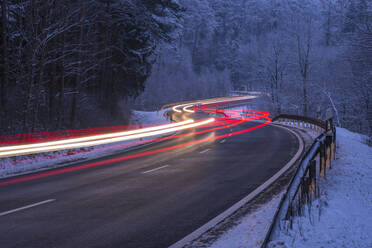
304 88
30 70
37 94
196 33
4 82
61 96
328 27
76 87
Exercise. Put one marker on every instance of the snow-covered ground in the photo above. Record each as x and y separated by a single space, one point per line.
342 215
146 117
251 229
33 163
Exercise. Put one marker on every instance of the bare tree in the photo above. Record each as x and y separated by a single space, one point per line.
304 45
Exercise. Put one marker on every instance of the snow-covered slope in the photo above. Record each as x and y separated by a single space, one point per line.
342 216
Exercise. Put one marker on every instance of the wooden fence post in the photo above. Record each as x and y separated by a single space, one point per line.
333 146
312 175
328 151
322 160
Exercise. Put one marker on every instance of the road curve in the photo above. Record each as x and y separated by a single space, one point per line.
150 201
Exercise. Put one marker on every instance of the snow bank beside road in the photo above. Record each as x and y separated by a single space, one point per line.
251 229
341 217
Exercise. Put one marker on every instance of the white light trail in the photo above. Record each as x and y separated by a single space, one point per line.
177 110
102 141
186 109
95 137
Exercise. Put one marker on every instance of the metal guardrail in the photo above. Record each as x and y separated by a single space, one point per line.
303 187
301 119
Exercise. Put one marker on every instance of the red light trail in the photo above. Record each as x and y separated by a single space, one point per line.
231 118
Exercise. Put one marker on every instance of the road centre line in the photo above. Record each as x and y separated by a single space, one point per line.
161 167
26 207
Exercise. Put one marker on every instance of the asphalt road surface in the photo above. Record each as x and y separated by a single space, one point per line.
151 201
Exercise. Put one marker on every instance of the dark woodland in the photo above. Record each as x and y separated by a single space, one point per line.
75 64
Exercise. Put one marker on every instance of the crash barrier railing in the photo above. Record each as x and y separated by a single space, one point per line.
194 101
303 188
302 121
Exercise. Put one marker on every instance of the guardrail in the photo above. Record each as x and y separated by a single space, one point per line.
302 121
303 188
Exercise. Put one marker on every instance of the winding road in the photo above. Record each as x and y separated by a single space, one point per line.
146 201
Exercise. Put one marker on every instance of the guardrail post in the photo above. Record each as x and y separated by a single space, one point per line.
328 151
334 144
312 176
322 159
304 191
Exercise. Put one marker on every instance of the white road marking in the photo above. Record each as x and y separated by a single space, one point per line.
204 151
222 141
161 167
26 207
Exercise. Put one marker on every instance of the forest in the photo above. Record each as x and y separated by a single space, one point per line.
76 64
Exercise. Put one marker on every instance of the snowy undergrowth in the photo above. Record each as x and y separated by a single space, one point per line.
341 216
33 163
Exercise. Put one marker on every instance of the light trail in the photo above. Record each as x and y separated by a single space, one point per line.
186 109
93 137
220 123
175 109
49 148
13 139
124 158
232 117
185 106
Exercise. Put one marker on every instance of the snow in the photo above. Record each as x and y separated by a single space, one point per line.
251 229
341 216
33 163
148 117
